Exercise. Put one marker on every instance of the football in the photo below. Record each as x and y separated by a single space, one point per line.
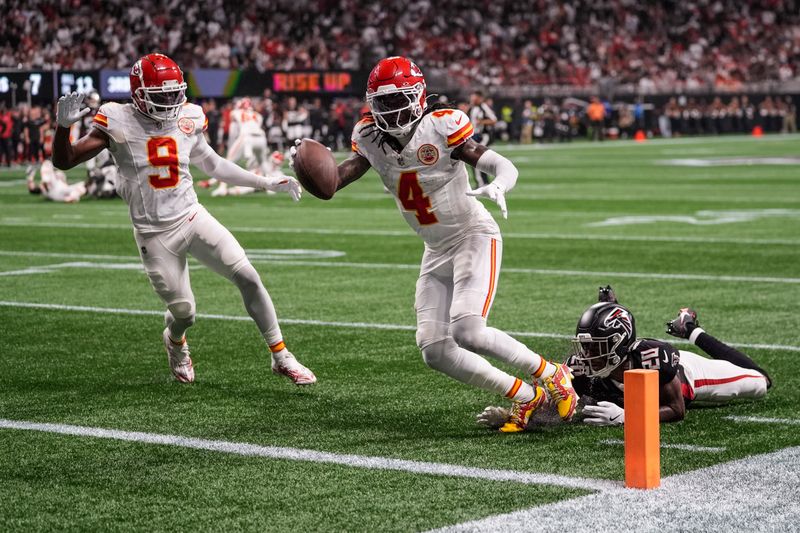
316 170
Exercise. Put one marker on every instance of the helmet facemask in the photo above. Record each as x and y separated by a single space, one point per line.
396 110
599 356
161 103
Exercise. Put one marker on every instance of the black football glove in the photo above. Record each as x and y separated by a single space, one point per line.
683 325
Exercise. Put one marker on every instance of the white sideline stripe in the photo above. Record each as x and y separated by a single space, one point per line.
409 233
314 456
764 420
357 325
753 494
412 266
683 447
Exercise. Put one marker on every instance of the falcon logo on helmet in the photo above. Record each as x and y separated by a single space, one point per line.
396 95
157 87
605 332
619 318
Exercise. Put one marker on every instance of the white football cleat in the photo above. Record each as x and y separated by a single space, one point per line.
179 360
291 368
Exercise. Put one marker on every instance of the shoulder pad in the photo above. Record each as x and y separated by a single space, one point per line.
453 124
195 114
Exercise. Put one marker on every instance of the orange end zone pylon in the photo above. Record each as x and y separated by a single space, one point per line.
642 438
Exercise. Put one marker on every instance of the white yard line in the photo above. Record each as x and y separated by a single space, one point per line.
12 183
336 324
764 420
299 454
756 493
670 446
409 233
551 272
414 267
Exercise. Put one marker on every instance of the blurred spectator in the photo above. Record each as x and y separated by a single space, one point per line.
6 129
483 119
528 117
790 117
33 127
596 113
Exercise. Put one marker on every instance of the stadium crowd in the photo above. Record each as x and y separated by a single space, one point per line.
673 45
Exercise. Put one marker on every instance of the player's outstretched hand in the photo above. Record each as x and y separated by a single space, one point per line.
288 185
604 414
493 417
494 192
293 152
68 110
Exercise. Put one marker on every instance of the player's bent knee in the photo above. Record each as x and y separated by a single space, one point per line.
469 333
184 311
436 355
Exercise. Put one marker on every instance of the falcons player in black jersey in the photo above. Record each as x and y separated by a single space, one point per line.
605 346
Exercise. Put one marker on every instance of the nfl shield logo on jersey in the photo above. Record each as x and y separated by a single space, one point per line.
186 125
428 154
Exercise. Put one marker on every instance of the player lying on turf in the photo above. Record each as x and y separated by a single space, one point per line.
606 346
53 184
153 141
420 154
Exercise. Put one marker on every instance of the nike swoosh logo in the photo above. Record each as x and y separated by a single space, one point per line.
612 419
192 217
458 121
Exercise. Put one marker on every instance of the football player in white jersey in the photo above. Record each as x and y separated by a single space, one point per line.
153 140
420 155
53 184
247 139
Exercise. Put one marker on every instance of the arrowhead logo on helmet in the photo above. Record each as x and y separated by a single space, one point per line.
396 95
157 87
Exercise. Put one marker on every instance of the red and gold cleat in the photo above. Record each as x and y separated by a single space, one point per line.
521 412
559 386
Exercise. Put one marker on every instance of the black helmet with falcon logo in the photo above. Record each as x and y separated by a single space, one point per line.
604 333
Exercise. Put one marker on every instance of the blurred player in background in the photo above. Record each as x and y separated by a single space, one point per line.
294 119
483 119
420 154
53 184
247 139
606 345
153 140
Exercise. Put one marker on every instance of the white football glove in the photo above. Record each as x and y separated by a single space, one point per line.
493 417
288 185
494 192
293 152
604 414
69 109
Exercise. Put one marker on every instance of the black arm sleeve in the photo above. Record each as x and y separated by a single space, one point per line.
719 350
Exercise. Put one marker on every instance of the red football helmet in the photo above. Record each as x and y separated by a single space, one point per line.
396 95
244 103
157 87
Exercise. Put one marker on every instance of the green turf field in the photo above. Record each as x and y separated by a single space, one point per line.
722 238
